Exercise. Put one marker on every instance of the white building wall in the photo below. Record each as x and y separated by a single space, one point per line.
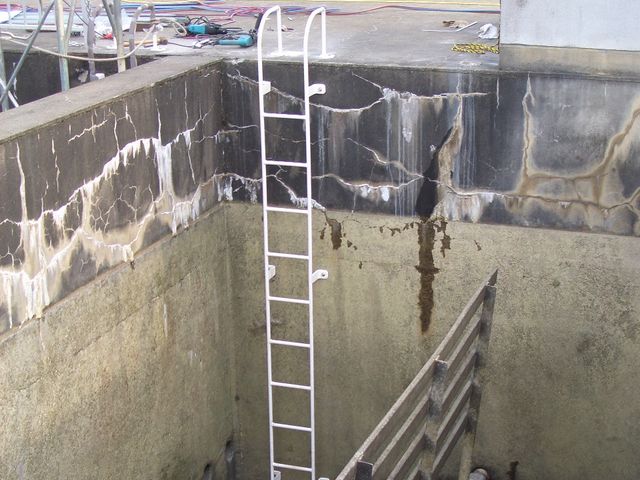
601 24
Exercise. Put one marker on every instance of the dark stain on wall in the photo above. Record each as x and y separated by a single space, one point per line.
427 236
428 196
427 270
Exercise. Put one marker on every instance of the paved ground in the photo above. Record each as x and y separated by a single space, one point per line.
384 37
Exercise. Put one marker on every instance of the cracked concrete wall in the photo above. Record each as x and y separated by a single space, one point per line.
519 149
132 375
86 186
513 149
124 163
85 189
560 388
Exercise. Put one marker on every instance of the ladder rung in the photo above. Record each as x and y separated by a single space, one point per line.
295 116
286 210
291 467
294 386
288 300
295 256
282 163
287 343
287 426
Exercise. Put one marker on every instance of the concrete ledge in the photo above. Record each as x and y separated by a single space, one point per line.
88 97
570 60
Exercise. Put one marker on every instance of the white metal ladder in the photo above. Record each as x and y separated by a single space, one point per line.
276 468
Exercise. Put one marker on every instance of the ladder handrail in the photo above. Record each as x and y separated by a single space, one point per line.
261 27
307 31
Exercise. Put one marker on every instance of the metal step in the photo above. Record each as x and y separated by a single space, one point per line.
286 210
287 343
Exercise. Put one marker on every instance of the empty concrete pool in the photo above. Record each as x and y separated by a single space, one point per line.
133 339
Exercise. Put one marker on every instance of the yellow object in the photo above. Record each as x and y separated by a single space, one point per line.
478 48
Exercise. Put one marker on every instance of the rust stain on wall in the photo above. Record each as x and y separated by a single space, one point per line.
427 269
427 230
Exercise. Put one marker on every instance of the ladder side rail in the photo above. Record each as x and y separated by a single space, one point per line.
307 121
262 91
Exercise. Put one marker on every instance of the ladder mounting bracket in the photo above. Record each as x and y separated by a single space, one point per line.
271 271
319 275
277 475
317 89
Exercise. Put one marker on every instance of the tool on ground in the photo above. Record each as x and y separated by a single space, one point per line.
223 36
206 29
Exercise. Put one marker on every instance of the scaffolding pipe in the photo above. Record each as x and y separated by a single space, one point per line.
62 47
115 18
67 32
117 33
90 14
133 61
27 49
4 106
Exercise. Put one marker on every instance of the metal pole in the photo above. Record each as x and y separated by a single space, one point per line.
90 15
117 32
70 18
3 76
32 39
62 47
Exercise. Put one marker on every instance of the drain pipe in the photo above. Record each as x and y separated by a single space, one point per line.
27 49
133 61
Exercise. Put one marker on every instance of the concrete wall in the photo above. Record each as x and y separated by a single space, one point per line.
39 76
560 391
521 149
90 177
129 377
116 361
542 151
571 23
135 159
